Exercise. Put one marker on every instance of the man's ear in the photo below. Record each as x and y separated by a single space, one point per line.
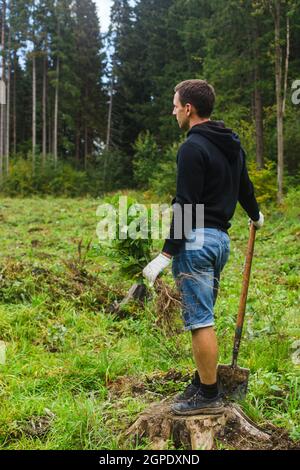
188 109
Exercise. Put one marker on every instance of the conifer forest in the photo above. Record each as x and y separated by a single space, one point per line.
92 352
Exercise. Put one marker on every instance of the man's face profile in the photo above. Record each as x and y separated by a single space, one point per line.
181 112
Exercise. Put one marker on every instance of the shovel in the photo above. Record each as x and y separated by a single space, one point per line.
233 380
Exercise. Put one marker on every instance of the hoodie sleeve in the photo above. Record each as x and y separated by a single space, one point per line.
246 192
189 187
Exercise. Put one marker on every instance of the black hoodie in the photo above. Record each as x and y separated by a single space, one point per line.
211 170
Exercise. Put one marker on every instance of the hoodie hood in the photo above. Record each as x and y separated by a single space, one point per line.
224 138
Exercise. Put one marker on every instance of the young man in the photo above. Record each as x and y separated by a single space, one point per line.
211 170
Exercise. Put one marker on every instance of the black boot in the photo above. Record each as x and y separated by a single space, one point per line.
190 390
198 404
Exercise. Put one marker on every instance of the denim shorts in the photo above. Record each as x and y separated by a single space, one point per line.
196 269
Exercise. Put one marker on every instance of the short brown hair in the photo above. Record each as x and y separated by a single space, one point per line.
199 93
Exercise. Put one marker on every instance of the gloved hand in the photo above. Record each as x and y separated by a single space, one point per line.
258 223
156 266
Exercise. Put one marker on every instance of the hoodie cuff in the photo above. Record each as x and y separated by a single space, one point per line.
172 248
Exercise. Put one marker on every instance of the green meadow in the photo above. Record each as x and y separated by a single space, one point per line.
71 360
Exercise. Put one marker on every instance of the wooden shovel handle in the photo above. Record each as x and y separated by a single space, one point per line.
243 298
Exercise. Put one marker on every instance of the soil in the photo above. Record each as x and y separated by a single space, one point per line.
231 436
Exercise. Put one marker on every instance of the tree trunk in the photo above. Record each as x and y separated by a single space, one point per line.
279 101
33 109
14 104
258 105
2 114
258 109
281 92
44 105
49 127
77 145
85 146
108 135
286 68
56 114
7 146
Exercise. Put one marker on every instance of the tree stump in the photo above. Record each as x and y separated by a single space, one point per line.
199 432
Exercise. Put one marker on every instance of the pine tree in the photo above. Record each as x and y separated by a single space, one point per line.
90 118
121 74
19 19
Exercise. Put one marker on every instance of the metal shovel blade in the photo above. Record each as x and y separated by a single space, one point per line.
232 381
136 292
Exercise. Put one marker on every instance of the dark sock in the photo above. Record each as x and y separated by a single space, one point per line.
196 379
209 391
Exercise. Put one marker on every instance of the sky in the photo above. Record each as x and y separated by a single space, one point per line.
103 7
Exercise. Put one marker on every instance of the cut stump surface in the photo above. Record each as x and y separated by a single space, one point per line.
159 425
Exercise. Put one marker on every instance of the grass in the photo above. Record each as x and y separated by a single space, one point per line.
65 347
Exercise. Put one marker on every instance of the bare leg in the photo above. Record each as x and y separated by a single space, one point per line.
205 350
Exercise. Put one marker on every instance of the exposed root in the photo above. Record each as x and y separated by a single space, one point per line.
168 305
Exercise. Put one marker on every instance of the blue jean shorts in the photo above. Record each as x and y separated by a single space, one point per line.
196 269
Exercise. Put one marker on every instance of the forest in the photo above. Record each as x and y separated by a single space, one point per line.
98 128
90 351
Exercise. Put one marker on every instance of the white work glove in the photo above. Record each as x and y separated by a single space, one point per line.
258 223
156 266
